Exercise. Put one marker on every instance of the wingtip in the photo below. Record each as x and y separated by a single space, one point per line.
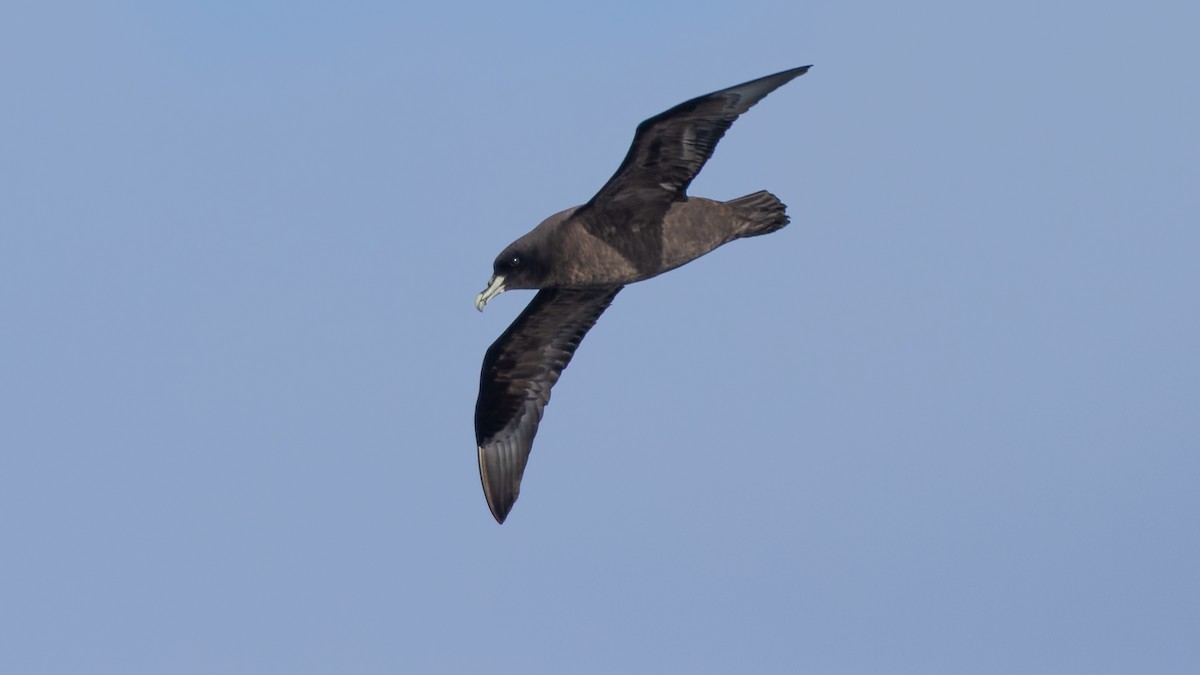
499 501
500 517
499 511
782 77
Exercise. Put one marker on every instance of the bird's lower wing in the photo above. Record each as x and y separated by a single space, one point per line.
518 371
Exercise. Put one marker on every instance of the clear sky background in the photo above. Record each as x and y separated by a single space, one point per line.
945 422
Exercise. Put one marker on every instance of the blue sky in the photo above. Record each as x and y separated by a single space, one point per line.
945 422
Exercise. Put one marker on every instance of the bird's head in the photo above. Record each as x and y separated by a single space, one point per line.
529 262
516 267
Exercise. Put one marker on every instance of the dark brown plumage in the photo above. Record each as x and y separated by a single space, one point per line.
640 224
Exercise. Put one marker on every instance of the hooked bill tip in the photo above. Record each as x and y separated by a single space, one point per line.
495 287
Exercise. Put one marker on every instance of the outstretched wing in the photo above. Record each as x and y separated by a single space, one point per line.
518 371
668 151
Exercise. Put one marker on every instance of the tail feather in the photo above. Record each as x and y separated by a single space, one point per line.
761 213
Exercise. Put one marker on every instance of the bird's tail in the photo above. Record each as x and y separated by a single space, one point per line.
760 213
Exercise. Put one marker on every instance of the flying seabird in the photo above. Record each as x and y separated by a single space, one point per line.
640 224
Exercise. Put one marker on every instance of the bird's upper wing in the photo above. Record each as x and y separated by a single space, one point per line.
668 151
518 371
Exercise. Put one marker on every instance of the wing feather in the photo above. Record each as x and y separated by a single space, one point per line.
519 370
667 152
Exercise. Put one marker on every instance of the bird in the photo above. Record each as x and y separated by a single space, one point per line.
640 224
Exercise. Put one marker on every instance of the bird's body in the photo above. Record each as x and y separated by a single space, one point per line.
639 225
688 230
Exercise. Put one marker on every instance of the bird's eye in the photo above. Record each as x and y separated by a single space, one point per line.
514 262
